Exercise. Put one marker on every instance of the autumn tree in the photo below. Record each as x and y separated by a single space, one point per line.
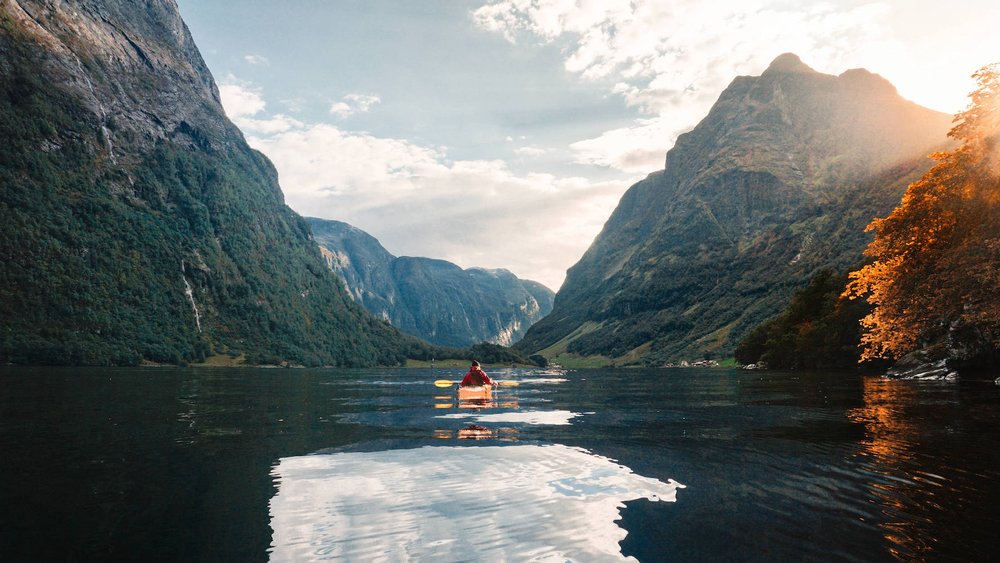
934 278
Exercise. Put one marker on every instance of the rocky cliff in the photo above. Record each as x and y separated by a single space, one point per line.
777 181
432 299
137 224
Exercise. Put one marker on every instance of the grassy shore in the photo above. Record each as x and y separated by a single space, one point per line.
453 363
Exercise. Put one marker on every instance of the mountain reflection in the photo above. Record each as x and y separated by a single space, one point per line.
518 503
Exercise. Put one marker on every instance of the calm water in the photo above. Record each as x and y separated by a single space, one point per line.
589 465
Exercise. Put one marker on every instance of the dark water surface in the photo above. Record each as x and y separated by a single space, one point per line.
586 465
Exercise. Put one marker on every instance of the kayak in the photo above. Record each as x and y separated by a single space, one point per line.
474 392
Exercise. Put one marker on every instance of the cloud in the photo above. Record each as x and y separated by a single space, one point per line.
272 125
294 105
672 60
668 61
419 202
256 60
341 109
640 148
530 151
353 104
240 101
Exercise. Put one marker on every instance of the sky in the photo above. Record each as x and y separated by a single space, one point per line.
502 133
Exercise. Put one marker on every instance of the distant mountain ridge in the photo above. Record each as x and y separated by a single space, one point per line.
776 182
137 224
432 299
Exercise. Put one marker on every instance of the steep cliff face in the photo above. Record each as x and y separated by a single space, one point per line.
361 261
432 299
131 67
137 223
778 180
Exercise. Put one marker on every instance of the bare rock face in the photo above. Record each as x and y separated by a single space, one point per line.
777 181
936 371
132 64
432 299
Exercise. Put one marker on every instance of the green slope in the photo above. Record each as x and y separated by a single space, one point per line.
136 222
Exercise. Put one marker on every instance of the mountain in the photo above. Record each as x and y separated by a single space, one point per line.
137 224
431 299
778 181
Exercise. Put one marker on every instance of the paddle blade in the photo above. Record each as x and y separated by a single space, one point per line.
449 383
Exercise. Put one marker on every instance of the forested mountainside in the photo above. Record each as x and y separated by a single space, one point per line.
777 182
432 299
927 298
137 224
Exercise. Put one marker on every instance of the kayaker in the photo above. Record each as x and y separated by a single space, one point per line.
476 377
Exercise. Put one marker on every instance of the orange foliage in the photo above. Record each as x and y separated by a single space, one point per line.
936 257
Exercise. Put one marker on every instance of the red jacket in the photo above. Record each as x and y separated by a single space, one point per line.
476 376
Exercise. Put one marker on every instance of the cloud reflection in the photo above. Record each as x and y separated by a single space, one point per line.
514 503
555 418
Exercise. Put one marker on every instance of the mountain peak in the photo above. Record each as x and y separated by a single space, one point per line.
861 78
788 63
777 181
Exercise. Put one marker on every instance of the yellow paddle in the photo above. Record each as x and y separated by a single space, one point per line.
449 383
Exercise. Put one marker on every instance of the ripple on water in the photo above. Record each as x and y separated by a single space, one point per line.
552 418
516 502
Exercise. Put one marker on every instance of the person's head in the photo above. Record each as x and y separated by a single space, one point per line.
475 364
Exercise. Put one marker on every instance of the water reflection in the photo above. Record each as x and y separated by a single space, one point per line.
904 493
176 465
521 502
552 418
477 400
890 434
479 432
